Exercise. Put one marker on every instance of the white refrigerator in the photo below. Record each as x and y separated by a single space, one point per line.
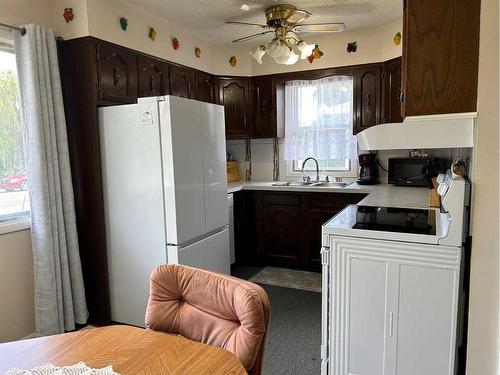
165 194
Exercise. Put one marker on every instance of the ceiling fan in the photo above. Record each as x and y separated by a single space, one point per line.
285 22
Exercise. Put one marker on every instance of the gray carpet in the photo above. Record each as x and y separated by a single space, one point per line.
294 337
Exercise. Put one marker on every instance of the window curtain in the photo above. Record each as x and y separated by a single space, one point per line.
318 119
59 291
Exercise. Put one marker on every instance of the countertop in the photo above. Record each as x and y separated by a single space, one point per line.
378 195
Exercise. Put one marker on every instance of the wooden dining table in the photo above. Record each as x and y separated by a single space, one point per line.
130 350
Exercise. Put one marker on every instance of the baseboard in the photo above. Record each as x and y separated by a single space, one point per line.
30 336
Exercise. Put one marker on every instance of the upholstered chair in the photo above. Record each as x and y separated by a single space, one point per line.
211 308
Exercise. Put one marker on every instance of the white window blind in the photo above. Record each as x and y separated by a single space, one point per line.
318 119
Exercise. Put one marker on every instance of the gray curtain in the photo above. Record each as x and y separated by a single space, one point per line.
59 291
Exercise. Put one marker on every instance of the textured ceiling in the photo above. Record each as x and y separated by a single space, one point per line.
206 17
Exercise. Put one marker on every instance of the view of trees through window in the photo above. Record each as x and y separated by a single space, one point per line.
14 202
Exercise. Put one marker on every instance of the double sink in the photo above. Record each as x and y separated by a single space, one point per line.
312 184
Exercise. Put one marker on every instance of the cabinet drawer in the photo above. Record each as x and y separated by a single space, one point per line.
281 199
322 201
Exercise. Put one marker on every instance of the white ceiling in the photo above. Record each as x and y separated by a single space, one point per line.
206 17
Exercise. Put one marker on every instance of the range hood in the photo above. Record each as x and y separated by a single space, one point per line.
433 131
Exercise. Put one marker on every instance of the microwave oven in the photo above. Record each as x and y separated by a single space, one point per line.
409 172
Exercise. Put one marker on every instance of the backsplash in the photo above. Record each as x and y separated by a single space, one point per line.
262 160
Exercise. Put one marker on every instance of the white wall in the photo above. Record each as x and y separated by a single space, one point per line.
17 312
483 346
18 12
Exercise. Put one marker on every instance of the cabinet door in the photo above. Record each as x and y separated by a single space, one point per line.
312 223
152 77
367 97
205 87
234 95
182 82
281 235
391 92
246 228
265 127
394 309
116 74
426 320
440 56
366 292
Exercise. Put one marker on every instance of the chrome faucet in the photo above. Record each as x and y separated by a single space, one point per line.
317 167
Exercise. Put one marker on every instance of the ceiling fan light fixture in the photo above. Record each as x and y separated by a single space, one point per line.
292 59
276 49
258 54
305 49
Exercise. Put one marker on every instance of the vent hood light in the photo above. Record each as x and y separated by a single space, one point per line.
433 131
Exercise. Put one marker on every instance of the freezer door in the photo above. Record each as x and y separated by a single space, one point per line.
133 203
211 253
214 165
182 157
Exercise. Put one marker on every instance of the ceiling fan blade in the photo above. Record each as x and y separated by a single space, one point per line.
296 16
319 28
247 24
250 37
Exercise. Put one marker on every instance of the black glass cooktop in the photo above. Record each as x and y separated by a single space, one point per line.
403 220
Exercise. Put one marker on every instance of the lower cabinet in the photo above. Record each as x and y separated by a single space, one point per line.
283 229
393 307
281 235
311 242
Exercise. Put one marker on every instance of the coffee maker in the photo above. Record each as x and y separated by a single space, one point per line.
368 169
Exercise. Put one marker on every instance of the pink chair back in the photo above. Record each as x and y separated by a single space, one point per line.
211 308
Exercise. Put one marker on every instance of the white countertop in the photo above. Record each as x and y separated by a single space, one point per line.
378 195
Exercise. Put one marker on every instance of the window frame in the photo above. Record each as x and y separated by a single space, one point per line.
14 225
352 169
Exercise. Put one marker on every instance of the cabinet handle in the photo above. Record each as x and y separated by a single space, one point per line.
233 107
368 98
401 96
116 76
391 323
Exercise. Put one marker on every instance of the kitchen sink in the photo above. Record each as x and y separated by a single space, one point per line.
293 183
331 184
312 184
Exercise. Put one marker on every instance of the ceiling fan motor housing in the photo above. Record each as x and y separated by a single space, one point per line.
277 15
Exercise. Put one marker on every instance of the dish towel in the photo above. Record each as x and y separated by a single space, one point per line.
78 369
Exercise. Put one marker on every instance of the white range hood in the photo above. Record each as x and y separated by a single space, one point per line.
434 131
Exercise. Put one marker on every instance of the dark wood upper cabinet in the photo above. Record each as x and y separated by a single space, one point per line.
182 82
440 56
205 87
152 76
235 96
391 91
367 97
264 113
116 74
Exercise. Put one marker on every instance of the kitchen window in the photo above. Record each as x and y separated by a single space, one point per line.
14 193
318 123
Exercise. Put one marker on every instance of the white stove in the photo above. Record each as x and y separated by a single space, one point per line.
392 281
443 226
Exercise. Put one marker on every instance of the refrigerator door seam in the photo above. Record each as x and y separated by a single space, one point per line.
199 238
